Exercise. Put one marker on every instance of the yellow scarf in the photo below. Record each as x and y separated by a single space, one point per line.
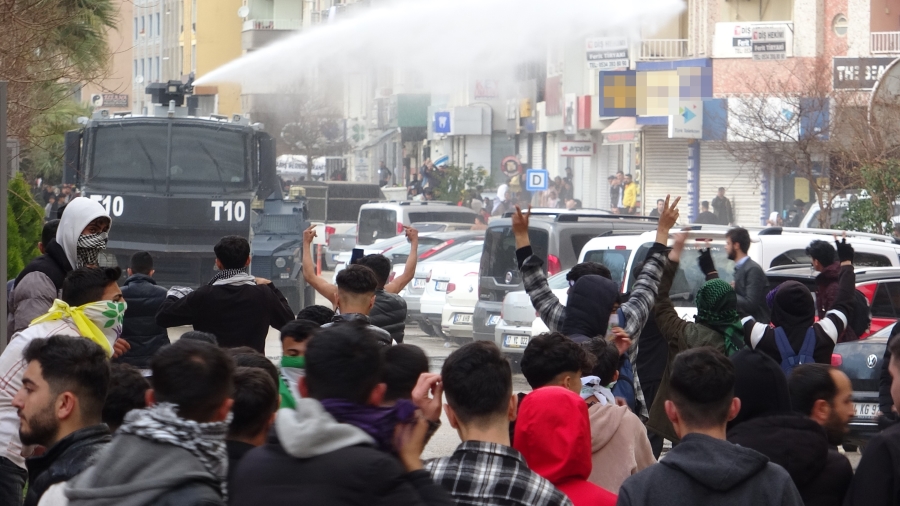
99 321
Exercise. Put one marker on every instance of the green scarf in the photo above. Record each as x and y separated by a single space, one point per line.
716 309
292 368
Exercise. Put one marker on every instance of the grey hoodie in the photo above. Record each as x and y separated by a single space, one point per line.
309 431
132 471
709 471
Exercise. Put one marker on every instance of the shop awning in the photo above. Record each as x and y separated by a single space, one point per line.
624 130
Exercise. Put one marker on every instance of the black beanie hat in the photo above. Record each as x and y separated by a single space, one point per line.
794 306
760 384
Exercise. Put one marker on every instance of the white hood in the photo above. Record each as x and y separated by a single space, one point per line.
308 431
80 212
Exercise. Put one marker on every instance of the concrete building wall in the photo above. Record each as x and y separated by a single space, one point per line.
885 16
118 79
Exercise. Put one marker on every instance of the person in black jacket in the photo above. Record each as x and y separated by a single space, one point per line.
877 478
144 300
64 387
389 311
794 311
236 307
769 423
337 447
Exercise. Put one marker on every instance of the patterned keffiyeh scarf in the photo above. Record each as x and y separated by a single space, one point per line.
99 321
229 273
206 441
88 248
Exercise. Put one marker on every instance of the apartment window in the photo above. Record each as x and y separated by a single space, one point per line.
150 22
142 25
135 28
193 57
194 15
157 25
135 68
839 25
150 73
157 69
142 74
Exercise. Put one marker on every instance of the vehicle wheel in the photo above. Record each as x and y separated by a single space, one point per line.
426 328
850 448
440 333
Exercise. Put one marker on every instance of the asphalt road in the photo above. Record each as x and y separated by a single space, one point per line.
445 440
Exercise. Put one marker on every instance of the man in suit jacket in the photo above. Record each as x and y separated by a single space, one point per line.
750 282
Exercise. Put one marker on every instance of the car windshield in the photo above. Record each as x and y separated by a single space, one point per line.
689 278
459 252
499 257
557 281
375 224
134 154
616 260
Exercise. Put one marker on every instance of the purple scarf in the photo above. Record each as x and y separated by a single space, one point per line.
375 421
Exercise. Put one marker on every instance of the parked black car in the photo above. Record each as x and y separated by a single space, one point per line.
861 362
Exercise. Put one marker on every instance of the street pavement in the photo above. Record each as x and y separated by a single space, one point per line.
445 440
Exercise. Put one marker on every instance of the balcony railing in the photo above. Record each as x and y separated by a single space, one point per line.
272 24
663 49
884 43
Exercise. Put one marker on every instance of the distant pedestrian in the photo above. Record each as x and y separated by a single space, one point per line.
295 336
705 468
356 286
235 306
320 315
385 176
705 217
824 261
750 282
722 208
660 207
615 193
145 299
629 196
127 392
51 208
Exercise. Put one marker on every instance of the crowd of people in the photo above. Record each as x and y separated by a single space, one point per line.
98 407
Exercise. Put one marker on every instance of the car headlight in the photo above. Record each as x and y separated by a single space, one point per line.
280 262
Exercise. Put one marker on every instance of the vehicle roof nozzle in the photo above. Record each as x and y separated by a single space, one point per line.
164 93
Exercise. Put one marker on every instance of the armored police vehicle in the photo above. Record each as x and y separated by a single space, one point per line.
174 184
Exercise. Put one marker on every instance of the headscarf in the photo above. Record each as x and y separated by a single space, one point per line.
99 321
88 248
717 309
79 213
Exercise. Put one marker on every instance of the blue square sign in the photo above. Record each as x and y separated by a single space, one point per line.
537 180
442 122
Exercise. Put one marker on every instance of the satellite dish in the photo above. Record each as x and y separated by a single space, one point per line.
139 79
244 11
884 105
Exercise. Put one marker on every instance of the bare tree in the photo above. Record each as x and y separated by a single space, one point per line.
792 121
313 127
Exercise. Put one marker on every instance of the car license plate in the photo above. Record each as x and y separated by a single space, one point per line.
285 275
419 283
440 286
865 409
494 319
462 318
515 341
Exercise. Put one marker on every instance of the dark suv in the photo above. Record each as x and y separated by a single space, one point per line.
557 236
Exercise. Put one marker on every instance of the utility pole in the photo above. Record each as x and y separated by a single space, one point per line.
4 198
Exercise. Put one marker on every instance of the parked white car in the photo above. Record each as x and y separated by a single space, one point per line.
464 261
459 306
519 321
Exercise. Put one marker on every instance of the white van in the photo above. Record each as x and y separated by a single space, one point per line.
381 220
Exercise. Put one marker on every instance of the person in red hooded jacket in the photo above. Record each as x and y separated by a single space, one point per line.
554 435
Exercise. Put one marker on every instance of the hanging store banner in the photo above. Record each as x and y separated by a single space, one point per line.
858 73
576 148
768 43
607 53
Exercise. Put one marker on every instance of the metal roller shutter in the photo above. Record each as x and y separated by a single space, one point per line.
664 166
718 169
537 152
523 148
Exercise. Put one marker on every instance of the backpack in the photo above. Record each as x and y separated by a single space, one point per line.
789 359
862 317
